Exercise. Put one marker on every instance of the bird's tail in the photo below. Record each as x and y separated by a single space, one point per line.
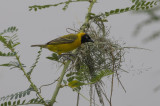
43 46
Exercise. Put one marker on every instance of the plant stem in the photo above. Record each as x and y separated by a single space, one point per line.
58 86
28 77
88 15
53 100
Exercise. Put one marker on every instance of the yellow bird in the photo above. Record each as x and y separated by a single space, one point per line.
66 43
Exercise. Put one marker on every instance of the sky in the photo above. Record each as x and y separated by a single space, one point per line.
46 24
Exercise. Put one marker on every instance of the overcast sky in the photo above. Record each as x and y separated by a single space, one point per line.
44 25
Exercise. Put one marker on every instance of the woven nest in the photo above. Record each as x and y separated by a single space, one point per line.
98 59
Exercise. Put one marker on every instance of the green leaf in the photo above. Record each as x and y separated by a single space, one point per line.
133 7
31 101
106 13
143 3
112 11
121 10
5 104
12 65
117 11
65 82
16 95
24 93
133 1
23 101
14 45
18 102
75 84
54 57
9 103
11 97
148 3
28 92
70 79
101 74
136 2
127 9
14 103
20 94
7 64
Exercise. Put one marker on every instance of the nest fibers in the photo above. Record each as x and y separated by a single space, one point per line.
98 59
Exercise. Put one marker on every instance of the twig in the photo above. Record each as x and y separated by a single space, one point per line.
71 30
136 48
85 25
91 92
34 65
84 96
111 90
47 85
120 82
105 95
78 98
113 60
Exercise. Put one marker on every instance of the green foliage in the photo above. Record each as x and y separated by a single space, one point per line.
75 84
24 102
17 95
36 61
15 99
14 103
35 101
101 74
7 54
91 64
9 41
12 64
53 57
153 18
153 36
66 3
139 5
9 30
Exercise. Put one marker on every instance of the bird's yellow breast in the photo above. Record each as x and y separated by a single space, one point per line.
63 48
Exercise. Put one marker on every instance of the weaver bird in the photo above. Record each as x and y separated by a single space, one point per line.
66 43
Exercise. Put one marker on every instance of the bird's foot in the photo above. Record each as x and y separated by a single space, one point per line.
67 56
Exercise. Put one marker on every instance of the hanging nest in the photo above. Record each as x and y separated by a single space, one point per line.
96 60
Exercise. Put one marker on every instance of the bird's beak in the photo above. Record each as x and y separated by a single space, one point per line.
91 41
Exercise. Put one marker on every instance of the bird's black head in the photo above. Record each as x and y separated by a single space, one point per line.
86 38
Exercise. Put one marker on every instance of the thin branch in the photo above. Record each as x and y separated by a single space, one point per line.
84 96
78 98
28 77
111 90
85 25
136 48
47 84
58 86
34 65
91 93
105 95
120 82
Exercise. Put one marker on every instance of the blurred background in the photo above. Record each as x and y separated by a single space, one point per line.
143 80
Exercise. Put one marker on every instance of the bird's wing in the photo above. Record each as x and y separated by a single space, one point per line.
63 40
